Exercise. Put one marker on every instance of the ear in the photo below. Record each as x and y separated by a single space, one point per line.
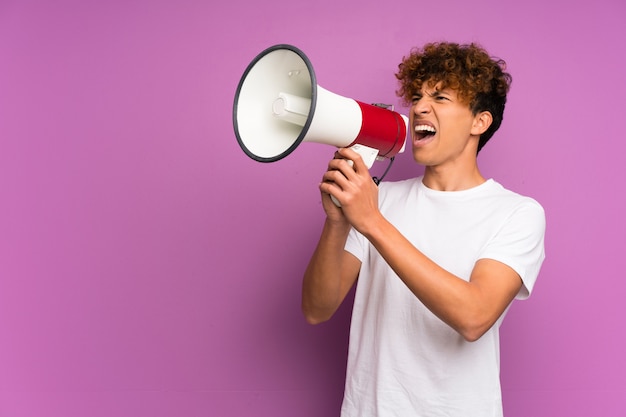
482 121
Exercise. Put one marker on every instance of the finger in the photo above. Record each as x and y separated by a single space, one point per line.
343 165
350 154
329 189
336 179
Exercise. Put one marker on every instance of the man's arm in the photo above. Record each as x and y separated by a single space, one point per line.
332 271
469 307
330 274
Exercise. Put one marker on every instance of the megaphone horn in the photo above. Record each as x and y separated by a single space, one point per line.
278 105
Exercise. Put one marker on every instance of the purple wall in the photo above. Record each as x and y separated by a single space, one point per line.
149 268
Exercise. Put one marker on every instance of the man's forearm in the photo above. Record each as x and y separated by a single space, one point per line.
468 307
323 287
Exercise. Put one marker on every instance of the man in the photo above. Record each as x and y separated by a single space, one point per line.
439 258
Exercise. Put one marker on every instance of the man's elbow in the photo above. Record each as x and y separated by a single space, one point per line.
313 320
472 335
472 331
315 317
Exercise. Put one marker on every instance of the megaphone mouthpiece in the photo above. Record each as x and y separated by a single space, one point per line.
291 108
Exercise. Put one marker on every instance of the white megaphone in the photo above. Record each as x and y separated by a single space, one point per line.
278 105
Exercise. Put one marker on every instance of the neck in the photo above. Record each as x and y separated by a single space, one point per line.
452 178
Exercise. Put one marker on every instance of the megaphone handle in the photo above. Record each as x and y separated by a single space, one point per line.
369 156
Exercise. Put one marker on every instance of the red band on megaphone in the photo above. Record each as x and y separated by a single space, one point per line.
381 129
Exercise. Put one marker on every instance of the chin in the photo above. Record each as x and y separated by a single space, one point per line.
421 157
426 159
423 161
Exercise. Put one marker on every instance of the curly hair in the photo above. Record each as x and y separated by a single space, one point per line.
478 79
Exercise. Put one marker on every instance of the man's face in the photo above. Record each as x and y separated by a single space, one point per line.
442 126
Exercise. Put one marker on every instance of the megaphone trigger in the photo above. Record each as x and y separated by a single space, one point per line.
368 154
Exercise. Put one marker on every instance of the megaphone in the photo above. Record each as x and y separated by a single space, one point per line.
278 105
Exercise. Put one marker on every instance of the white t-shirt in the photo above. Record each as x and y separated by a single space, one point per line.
405 362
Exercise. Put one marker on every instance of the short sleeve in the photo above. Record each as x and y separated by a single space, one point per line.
519 243
355 244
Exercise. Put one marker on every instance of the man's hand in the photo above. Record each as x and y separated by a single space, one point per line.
349 181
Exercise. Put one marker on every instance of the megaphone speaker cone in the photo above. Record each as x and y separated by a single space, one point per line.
267 128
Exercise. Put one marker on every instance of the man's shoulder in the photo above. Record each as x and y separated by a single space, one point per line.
508 196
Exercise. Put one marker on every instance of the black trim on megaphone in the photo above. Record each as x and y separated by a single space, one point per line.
307 124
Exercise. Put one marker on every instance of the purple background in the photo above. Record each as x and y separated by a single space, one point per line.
149 268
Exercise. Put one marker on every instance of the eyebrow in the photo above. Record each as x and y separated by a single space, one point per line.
434 93
437 92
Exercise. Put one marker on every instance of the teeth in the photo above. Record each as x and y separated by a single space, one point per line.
425 128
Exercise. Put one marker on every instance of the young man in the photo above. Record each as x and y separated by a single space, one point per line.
439 258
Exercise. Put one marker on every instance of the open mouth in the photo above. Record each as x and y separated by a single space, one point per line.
424 132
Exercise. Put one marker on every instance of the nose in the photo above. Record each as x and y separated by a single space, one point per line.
421 106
